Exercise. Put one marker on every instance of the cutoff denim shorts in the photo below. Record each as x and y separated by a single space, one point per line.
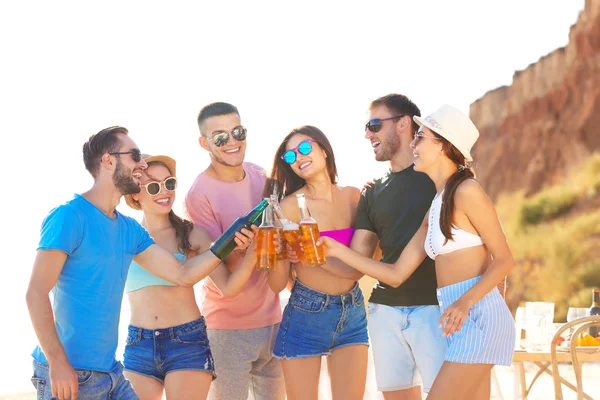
156 352
315 323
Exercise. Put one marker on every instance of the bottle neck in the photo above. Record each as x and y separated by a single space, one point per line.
304 212
254 215
267 217
596 298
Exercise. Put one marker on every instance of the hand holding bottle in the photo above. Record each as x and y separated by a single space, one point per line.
244 238
332 247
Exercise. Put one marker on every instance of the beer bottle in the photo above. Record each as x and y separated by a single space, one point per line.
266 245
279 220
291 232
594 331
226 243
309 233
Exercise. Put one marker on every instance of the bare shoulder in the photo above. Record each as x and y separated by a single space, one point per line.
199 238
469 193
351 193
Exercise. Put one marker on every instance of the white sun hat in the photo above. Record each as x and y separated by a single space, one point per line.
454 126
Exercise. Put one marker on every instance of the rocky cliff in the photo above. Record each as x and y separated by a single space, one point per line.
548 120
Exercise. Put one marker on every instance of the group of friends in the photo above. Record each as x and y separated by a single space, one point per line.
436 320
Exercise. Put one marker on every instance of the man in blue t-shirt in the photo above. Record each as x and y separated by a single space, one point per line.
84 253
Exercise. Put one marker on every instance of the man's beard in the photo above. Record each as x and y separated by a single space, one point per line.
389 147
123 181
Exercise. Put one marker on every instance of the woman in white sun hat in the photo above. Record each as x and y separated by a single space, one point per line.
462 233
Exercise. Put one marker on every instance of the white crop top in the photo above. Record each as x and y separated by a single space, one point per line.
436 243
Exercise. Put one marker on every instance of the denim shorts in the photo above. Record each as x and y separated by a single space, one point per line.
315 323
156 352
488 333
408 346
93 385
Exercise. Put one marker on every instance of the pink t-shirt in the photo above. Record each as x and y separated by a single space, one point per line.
214 205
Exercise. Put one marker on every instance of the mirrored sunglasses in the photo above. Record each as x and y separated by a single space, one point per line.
375 124
153 188
221 138
303 148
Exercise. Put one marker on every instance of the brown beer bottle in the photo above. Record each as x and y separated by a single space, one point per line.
309 232
266 248
279 219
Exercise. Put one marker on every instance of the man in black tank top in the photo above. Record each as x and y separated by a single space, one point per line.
407 344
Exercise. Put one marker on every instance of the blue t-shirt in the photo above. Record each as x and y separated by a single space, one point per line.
89 290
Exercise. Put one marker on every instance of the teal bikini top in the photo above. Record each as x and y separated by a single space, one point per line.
138 277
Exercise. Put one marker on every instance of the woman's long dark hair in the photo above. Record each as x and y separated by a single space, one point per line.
183 227
282 174
463 173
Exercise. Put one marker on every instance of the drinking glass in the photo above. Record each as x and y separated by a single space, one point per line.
540 323
573 314
520 324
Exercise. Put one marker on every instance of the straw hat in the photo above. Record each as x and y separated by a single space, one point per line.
166 160
454 126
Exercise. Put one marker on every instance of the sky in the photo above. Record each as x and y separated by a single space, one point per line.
72 68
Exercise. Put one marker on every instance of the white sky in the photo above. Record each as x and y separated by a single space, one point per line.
69 69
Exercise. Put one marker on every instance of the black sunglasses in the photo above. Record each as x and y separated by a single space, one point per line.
136 154
153 188
375 124
221 138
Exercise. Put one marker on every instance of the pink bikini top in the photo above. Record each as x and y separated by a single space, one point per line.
344 236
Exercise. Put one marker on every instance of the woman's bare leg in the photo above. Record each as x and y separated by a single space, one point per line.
184 385
457 381
301 377
347 368
145 387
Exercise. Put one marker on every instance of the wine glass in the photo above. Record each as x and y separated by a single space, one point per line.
573 314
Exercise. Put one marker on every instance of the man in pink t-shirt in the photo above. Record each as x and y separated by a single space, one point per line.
241 329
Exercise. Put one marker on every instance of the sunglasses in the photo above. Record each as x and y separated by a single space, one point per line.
303 148
153 188
420 135
221 138
136 154
375 124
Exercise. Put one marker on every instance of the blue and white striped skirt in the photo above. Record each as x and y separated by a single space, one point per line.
488 334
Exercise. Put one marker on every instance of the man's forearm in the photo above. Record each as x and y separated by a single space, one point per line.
42 318
197 268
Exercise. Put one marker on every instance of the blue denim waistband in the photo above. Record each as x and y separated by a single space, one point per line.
171 332
350 296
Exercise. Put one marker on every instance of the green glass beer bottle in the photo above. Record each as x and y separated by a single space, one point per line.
226 243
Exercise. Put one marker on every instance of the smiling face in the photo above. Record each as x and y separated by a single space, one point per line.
127 173
386 142
427 150
310 164
162 202
232 153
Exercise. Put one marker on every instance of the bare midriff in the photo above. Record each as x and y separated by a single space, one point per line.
158 307
461 265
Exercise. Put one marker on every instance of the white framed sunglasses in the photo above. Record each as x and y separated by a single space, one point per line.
153 188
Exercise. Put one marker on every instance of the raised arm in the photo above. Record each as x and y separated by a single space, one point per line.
230 283
393 275
364 242
47 267
472 201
